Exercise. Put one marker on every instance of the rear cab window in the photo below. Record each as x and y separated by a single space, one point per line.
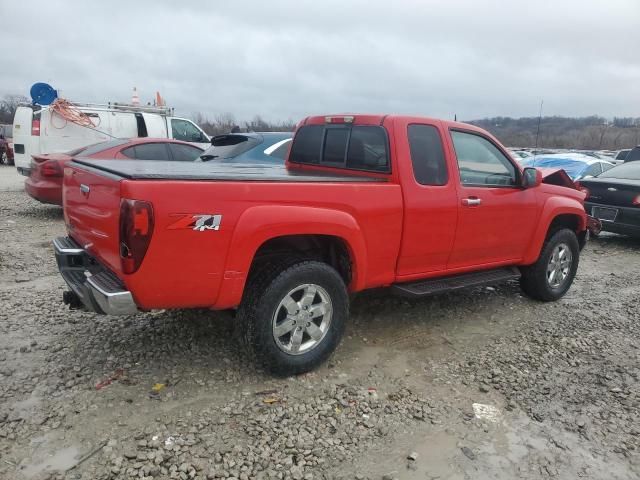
352 147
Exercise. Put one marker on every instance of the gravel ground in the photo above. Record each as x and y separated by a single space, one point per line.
480 384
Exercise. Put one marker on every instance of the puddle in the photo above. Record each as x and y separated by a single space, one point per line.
60 460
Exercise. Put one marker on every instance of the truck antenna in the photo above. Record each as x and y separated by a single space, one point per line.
535 151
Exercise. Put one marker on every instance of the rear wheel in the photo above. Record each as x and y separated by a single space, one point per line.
551 276
293 317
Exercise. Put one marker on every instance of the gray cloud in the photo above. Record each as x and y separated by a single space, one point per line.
287 59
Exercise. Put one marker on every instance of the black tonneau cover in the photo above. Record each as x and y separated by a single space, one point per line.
164 170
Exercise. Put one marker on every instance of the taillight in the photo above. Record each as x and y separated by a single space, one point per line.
50 168
636 201
35 127
136 228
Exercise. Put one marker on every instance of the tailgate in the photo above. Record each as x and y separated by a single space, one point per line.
91 202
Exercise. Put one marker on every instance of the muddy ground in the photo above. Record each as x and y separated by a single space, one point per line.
480 384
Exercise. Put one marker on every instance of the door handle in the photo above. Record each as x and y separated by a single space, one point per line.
471 202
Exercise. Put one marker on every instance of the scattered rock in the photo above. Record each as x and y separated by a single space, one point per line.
468 453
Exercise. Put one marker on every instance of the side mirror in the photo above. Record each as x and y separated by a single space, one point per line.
531 177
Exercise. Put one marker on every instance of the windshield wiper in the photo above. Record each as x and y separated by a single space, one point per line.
206 158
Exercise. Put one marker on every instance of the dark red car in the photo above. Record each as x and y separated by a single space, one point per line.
45 180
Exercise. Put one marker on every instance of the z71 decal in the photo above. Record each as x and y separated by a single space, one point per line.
199 223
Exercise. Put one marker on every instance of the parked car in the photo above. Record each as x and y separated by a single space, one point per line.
46 171
520 154
6 145
576 165
44 131
262 147
614 198
597 155
419 205
633 155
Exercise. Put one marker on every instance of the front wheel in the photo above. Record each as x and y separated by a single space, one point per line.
294 318
551 276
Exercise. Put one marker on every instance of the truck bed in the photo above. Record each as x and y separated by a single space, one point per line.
163 170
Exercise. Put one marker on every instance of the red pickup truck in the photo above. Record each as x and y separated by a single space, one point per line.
416 204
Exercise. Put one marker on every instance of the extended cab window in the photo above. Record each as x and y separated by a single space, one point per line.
480 162
427 155
358 147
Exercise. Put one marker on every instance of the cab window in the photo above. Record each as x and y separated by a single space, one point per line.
480 162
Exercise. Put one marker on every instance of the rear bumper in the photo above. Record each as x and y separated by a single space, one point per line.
44 191
627 221
97 288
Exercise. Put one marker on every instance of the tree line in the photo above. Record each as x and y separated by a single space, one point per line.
226 122
584 133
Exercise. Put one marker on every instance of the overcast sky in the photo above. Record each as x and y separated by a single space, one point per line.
287 59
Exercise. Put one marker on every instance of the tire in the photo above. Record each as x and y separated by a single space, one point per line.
538 281
282 338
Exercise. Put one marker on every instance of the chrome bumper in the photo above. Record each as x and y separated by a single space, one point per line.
97 289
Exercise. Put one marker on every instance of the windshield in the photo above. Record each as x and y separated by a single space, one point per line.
229 146
627 171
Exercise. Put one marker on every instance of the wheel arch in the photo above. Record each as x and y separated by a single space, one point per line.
331 235
558 213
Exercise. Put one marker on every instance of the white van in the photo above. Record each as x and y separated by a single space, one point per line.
41 130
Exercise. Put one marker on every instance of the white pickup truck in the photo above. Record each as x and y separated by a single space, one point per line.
38 130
